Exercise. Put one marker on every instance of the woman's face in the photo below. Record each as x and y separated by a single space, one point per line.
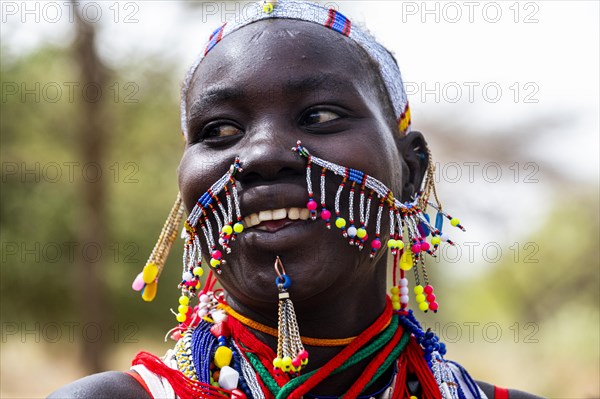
255 94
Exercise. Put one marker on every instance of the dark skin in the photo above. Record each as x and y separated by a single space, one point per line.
257 92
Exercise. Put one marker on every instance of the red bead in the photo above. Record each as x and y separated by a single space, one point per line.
303 355
312 205
376 244
296 362
416 248
430 298
220 329
325 214
424 246
428 289
237 394
216 254
433 306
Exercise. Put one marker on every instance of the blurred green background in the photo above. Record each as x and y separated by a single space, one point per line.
90 145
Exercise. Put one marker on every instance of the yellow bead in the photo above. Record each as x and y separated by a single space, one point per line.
395 290
391 243
436 240
406 261
183 309
150 272
396 305
214 262
420 298
418 289
399 244
149 291
238 227
181 317
424 306
361 233
223 356
454 222
286 361
304 362
227 230
184 300
395 298
340 222
198 285
198 271
277 362
268 8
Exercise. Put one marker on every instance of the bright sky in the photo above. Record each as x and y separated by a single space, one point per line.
488 64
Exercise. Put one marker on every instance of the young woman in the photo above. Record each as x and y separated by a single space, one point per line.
289 72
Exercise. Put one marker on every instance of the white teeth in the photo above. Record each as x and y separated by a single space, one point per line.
304 214
276 214
279 214
294 213
265 216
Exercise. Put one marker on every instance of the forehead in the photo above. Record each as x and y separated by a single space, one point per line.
271 52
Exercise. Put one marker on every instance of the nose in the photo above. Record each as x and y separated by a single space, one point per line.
267 156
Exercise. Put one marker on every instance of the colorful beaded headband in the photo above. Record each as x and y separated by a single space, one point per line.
330 18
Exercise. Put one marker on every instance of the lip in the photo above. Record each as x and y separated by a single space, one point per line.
281 239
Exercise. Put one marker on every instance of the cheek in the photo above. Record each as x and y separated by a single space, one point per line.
197 172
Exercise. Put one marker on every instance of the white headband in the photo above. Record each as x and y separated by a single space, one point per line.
330 18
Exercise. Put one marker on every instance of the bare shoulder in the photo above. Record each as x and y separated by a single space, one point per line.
488 389
110 384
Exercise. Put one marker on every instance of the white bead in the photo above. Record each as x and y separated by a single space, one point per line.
204 298
228 378
351 231
403 298
445 237
221 241
404 282
203 312
219 316
187 276
403 290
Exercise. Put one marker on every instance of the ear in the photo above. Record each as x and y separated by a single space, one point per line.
415 159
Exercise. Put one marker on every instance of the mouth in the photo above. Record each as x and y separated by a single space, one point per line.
272 220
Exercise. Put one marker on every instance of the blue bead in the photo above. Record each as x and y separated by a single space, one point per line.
439 221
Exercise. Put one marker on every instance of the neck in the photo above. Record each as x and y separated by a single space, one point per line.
340 312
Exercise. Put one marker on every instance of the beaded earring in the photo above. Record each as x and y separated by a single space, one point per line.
147 280
291 355
406 219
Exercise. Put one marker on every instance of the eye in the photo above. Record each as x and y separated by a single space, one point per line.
217 130
318 116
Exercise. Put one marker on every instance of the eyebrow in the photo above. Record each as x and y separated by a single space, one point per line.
326 83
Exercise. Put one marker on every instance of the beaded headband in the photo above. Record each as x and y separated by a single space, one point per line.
330 18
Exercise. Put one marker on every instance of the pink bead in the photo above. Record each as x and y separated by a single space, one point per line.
216 254
416 248
176 336
428 289
296 362
430 298
325 214
138 283
312 205
433 306
375 244
303 355
424 246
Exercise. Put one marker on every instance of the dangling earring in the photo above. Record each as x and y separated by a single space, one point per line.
147 280
291 355
408 219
